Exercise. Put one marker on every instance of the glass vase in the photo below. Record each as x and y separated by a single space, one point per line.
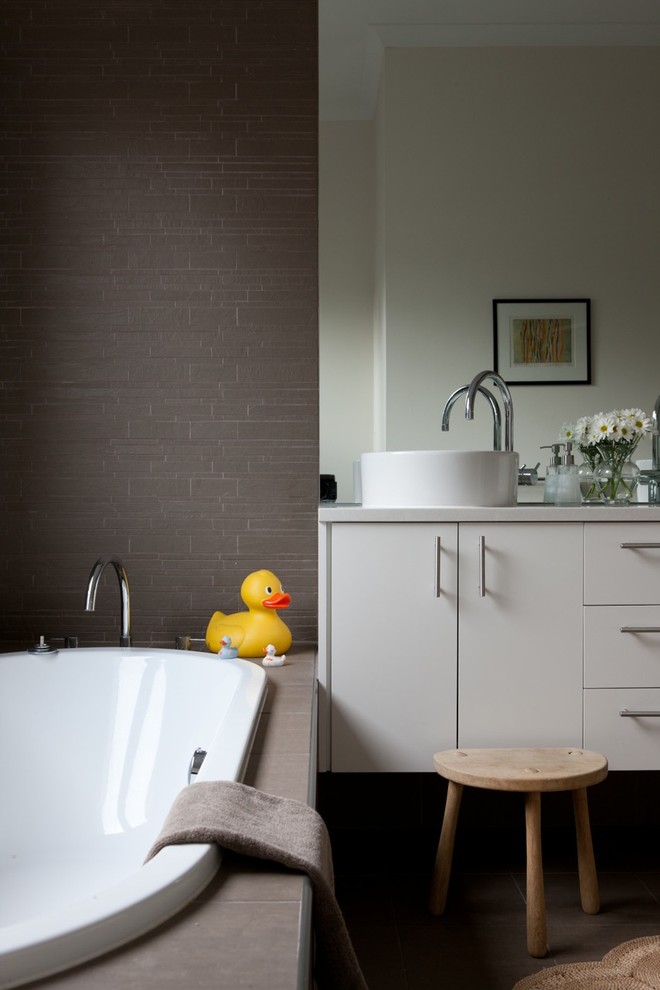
588 487
616 478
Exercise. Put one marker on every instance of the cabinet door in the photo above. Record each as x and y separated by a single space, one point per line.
520 634
393 645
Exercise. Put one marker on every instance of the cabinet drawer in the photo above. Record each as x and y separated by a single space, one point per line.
622 646
622 563
629 743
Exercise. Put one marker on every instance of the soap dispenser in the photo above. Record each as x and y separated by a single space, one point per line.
568 480
552 473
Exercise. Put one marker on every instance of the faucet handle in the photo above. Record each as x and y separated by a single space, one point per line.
70 642
42 647
186 642
528 476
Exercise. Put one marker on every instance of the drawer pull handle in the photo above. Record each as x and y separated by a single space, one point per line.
633 713
438 552
482 566
640 546
637 629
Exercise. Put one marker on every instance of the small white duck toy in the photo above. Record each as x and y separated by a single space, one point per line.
227 651
270 660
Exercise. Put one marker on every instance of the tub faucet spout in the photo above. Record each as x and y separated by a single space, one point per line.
125 592
507 401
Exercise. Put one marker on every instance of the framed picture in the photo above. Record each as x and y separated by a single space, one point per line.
542 341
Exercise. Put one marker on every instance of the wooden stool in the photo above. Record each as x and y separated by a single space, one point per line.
531 771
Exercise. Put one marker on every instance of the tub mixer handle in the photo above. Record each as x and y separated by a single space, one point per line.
196 761
42 647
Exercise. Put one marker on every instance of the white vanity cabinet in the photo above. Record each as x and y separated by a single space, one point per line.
442 634
622 643
391 635
520 634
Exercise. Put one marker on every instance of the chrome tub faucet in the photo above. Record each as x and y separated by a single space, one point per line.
124 589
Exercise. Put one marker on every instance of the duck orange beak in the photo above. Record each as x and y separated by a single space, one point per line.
279 600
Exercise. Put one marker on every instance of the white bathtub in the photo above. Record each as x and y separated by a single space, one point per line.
95 744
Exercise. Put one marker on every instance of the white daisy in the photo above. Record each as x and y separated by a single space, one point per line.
604 426
583 431
638 419
625 429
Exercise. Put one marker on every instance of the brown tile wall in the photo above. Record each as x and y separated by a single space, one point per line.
158 310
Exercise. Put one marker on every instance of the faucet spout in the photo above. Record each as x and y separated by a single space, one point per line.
655 439
497 415
124 589
507 401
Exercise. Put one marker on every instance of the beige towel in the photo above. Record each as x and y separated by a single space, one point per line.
253 823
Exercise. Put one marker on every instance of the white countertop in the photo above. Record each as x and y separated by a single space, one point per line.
523 512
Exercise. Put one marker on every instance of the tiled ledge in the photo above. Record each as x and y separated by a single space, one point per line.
251 925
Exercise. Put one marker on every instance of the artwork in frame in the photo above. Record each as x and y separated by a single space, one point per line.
542 341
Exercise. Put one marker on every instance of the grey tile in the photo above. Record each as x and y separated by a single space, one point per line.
579 943
244 879
379 954
480 943
652 883
624 899
285 775
471 957
366 902
284 732
495 897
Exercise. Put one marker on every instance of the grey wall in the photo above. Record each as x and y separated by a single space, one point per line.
158 342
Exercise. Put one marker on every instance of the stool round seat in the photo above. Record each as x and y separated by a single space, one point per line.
532 772
522 769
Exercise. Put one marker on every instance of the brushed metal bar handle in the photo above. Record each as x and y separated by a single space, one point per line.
482 566
633 713
638 629
640 546
438 552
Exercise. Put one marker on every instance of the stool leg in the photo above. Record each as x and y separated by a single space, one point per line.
589 895
537 942
442 869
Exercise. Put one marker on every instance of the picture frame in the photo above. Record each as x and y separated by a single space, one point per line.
542 341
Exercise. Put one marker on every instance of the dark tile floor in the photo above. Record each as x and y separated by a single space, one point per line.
480 941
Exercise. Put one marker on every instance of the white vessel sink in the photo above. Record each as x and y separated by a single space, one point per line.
410 478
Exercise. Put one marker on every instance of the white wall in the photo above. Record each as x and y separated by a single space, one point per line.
516 173
346 271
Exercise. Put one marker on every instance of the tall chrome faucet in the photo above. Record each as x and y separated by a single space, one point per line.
495 409
507 401
125 592
655 439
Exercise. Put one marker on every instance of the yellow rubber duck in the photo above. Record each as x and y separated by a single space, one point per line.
251 631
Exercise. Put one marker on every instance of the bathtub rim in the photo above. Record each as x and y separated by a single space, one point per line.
98 924
178 875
